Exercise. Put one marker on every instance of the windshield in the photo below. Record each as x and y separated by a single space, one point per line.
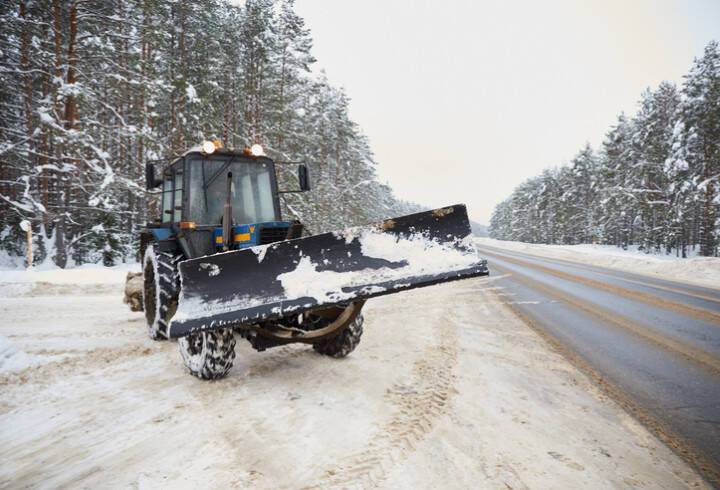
251 189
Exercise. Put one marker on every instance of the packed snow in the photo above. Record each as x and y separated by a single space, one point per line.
701 271
448 389
418 256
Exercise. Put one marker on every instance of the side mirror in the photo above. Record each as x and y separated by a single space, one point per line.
303 178
150 181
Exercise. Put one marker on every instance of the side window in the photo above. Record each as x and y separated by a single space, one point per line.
178 197
167 198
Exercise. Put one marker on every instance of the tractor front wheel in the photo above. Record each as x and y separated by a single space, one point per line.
161 286
208 355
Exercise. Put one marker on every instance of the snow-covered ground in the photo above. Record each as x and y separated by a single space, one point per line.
447 390
702 271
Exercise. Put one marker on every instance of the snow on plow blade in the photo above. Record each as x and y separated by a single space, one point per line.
286 278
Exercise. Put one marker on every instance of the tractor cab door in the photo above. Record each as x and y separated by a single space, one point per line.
172 192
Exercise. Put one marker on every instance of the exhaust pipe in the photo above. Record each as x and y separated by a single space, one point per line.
227 216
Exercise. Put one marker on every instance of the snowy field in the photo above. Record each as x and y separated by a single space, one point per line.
447 390
701 271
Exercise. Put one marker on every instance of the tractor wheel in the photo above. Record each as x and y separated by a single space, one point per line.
208 355
343 343
161 286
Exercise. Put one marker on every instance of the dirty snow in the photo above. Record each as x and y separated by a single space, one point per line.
702 271
430 399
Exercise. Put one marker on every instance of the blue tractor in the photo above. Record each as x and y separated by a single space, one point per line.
221 261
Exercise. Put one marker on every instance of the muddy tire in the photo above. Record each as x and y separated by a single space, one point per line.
343 343
161 286
208 355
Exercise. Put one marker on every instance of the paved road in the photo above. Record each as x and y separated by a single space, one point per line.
651 344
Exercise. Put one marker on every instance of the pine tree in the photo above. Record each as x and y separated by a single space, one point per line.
89 91
696 145
651 140
654 184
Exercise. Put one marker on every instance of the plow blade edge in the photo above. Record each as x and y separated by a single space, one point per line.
289 277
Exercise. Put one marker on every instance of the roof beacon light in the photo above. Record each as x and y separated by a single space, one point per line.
208 147
257 150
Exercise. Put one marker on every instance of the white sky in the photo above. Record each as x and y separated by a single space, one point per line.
462 100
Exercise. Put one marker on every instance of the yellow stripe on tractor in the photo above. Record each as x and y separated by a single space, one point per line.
240 237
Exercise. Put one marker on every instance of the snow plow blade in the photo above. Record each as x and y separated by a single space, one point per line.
286 278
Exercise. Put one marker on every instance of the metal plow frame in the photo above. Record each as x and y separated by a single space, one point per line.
280 334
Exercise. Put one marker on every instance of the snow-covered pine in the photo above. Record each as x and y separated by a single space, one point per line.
91 90
655 182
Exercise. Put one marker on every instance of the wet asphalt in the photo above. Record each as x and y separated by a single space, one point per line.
652 345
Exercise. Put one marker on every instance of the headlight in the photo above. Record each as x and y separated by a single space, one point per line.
257 150
208 147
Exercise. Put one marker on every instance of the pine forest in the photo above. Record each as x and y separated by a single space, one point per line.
653 184
92 89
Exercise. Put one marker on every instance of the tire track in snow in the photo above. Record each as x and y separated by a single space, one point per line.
418 401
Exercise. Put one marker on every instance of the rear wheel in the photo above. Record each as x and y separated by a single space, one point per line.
343 343
161 286
208 355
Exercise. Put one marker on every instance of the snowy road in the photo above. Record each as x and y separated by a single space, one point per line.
449 389
653 345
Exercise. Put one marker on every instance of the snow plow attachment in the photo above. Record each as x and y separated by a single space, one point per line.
286 278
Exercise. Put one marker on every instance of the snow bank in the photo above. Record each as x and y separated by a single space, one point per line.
12 359
702 271
84 274
10 262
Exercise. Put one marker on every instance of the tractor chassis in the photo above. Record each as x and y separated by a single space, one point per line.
271 333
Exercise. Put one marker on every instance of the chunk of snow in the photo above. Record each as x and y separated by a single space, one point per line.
12 359
45 117
260 252
213 269
191 93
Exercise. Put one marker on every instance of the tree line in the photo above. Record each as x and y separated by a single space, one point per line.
654 183
92 89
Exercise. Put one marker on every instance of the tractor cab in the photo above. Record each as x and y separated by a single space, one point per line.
213 200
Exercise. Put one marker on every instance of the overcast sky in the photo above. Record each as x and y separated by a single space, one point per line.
462 100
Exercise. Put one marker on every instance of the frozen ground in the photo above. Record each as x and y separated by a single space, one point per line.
702 271
447 390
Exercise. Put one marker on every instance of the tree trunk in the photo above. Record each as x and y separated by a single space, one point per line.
60 251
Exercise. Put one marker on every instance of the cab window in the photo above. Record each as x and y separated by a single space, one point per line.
167 198
172 193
